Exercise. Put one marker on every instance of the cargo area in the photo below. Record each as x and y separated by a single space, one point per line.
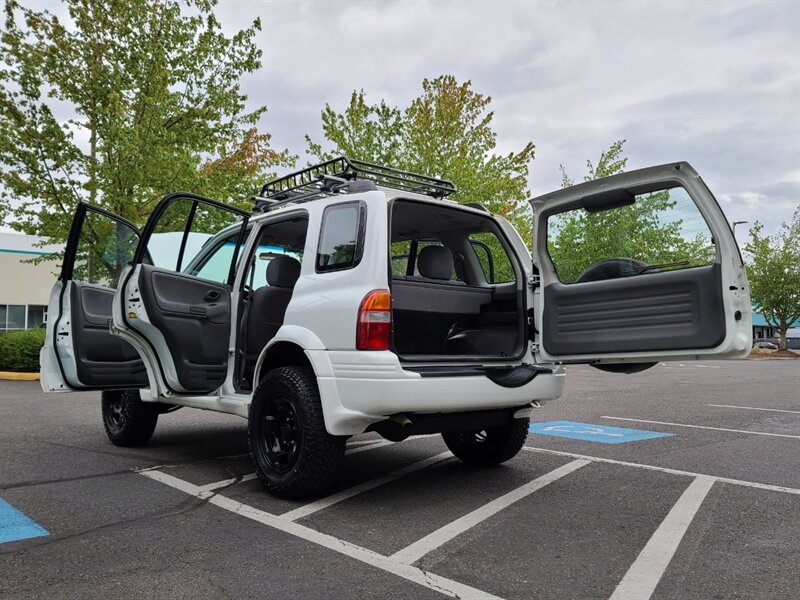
456 285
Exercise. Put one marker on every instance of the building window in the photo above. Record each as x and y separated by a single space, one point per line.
20 316
37 316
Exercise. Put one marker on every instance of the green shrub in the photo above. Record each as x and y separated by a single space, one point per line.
19 350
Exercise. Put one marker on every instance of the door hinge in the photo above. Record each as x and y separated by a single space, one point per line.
534 280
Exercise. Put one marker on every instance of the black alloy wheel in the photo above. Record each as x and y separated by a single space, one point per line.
282 439
127 420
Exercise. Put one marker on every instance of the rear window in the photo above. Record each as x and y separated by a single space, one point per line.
341 237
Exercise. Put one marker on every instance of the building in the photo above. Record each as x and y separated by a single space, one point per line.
25 286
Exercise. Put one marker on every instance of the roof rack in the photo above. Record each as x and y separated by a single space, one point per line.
335 176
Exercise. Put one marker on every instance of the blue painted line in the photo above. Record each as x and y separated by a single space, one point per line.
589 432
14 525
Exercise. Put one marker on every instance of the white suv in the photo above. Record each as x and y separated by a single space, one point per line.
358 298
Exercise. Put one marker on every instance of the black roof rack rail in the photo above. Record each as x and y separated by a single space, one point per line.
335 175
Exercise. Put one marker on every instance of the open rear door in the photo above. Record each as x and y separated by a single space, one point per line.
638 268
79 352
174 302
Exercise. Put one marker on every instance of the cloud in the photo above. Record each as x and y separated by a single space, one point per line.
714 83
717 84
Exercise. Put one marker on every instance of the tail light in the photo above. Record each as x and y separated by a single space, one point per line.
374 326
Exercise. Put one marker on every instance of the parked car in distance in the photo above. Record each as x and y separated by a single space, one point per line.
765 345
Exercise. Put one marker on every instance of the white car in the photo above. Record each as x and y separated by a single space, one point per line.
357 298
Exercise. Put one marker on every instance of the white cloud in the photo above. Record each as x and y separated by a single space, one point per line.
714 83
717 84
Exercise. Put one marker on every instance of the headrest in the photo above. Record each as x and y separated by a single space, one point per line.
283 271
435 262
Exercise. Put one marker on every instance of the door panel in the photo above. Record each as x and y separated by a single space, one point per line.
101 358
179 322
80 352
636 268
193 316
677 310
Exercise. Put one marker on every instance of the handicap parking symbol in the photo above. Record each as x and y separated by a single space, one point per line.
589 432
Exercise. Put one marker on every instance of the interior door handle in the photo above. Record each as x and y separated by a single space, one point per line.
211 296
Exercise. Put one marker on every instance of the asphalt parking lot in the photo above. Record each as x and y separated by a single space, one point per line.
709 510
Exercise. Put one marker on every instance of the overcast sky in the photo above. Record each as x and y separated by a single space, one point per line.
713 83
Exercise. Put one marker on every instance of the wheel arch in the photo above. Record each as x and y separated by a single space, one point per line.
288 348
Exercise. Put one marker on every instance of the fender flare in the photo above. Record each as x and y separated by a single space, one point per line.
301 337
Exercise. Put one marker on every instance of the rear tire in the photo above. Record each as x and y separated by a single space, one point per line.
128 421
488 447
294 455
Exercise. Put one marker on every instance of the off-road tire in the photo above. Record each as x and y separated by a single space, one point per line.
488 447
128 421
295 457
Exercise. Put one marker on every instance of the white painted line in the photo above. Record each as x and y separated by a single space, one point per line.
362 442
186 464
421 547
380 444
172 481
782 435
611 461
644 574
372 444
445 586
226 482
780 410
323 503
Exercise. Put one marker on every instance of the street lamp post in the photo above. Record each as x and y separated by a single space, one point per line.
735 223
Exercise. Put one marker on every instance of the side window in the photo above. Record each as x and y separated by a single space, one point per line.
214 265
282 238
659 231
104 246
493 257
341 238
401 252
195 237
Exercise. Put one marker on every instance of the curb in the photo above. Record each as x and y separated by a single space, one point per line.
14 376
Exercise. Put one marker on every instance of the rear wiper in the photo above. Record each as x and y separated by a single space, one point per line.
640 270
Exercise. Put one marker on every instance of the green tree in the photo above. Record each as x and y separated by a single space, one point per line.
773 270
446 132
650 230
152 88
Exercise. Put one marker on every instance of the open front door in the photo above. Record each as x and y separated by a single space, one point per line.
174 302
79 351
637 268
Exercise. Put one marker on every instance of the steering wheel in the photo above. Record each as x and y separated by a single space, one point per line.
611 268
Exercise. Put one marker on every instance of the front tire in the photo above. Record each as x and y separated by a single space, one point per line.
294 455
128 421
488 447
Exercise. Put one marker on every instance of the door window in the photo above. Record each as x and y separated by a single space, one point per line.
195 237
282 238
493 258
103 247
653 232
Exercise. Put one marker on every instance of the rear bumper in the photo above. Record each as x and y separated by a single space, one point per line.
358 389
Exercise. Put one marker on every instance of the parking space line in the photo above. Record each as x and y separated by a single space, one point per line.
427 579
643 576
323 503
611 461
780 410
226 482
430 542
364 448
782 435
